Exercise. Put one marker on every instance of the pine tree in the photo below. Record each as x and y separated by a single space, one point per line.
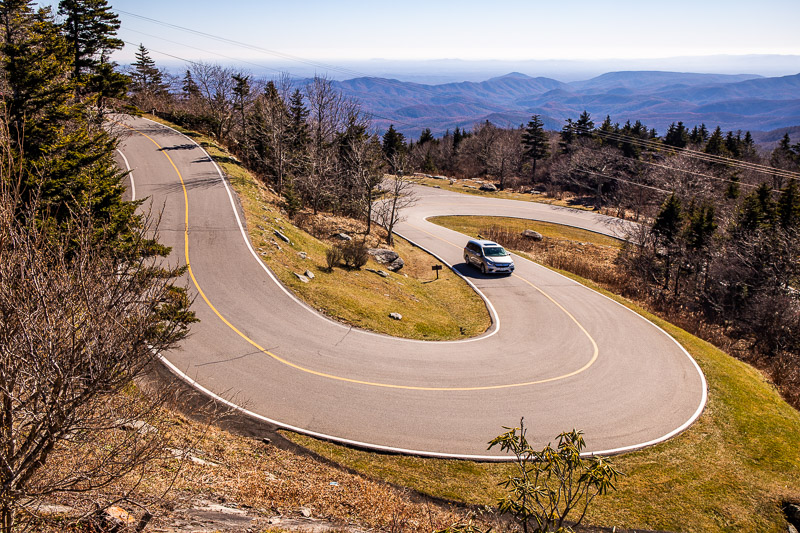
669 221
394 144
757 210
536 143
788 209
607 132
677 135
189 86
567 136
701 226
716 144
241 92
146 77
425 136
90 28
584 127
457 138
298 133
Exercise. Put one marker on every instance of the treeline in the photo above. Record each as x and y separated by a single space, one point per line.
314 146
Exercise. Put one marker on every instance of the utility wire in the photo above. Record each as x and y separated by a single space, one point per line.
710 158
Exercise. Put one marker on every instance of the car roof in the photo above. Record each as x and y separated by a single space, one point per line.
484 242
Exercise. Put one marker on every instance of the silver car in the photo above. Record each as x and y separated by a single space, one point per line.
488 256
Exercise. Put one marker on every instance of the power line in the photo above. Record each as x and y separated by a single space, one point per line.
709 158
297 59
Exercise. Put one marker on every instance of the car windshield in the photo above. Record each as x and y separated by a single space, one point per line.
494 251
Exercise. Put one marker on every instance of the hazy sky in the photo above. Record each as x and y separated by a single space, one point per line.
465 29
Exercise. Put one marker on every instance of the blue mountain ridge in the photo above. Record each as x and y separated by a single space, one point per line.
657 98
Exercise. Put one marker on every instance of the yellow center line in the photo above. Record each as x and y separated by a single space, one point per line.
323 374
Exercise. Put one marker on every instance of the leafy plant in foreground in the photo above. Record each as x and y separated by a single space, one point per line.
547 485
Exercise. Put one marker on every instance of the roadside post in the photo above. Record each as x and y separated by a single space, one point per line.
436 268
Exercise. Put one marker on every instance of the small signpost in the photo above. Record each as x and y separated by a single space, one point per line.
436 268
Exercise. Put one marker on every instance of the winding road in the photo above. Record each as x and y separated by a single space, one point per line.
558 353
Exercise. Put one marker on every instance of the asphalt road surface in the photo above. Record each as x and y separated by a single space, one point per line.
559 354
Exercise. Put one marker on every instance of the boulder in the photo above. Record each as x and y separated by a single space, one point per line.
382 255
395 265
396 316
302 255
309 274
533 235
301 277
281 236
488 187
342 237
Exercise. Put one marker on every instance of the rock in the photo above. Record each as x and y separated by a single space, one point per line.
202 462
383 274
266 440
488 187
395 265
396 316
343 237
216 508
301 277
792 512
309 274
302 255
383 255
441 178
305 511
534 235
137 425
436 187
281 236
469 186
118 517
792 529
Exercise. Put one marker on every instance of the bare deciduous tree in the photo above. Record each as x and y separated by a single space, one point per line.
389 210
77 325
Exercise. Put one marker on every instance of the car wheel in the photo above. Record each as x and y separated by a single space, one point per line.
483 268
466 260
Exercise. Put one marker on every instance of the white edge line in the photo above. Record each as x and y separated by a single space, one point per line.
128 168
488 458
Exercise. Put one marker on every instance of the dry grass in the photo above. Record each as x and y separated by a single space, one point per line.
263 479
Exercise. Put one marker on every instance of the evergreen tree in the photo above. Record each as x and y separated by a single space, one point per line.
146 77
189 86
457 138
394 144
732 191
716 144
425 136
567 136
298 133
90 28
757 210
584 127
677 135
241 92
788 209
701 226
607 132
536 143
669 221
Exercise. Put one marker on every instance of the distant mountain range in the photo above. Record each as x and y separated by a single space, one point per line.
746 102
